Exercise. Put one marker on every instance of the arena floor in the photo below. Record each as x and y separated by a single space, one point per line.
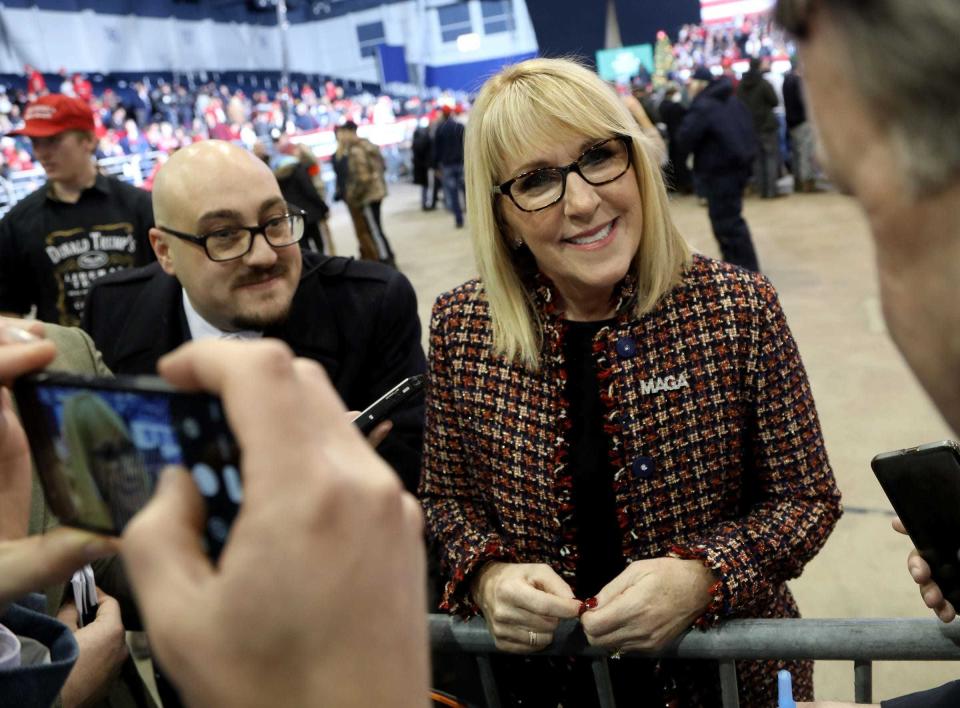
817 251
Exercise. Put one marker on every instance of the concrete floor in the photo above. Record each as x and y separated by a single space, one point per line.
817 252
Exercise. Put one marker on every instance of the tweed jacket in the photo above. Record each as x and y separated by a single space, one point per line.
711 426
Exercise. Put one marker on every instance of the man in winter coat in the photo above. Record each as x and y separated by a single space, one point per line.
718 131
759 96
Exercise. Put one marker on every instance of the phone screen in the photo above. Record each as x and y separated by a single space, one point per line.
101 444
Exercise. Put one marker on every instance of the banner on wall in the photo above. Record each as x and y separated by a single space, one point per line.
624 63
723 11
392 64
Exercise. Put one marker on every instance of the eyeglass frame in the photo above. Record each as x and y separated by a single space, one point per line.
258 230
504 188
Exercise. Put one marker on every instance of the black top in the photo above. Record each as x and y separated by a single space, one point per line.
51 251
448 142
357 318
598 538
794 107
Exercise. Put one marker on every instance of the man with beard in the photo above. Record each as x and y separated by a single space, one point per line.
216 277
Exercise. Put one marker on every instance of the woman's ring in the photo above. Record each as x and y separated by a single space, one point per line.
534 639
616 654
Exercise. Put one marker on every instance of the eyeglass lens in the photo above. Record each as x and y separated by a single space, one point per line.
601 163
233 243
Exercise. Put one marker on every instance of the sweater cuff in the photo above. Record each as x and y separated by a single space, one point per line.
456 593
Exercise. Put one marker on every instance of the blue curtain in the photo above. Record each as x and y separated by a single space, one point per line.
641 19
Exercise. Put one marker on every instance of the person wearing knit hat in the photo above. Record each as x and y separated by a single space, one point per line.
77 227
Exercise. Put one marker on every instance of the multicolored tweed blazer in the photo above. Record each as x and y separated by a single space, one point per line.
712 430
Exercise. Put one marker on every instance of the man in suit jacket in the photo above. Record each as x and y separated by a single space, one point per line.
216 278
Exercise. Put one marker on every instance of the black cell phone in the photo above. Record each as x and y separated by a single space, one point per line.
388 402
923 485
99 445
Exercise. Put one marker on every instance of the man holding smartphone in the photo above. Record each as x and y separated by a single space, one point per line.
208 623
881 80
230 267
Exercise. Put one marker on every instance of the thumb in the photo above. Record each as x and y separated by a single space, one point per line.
37 561
162 548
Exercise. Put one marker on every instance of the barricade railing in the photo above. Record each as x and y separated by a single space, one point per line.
861 641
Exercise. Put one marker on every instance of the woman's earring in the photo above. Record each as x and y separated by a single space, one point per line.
517 243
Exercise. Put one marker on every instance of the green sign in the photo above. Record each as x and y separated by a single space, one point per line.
624 62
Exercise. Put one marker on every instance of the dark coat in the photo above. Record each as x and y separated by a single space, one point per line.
943 697
357 318
37 684
794 107
760 98
448 142
297 187
718 131
422 150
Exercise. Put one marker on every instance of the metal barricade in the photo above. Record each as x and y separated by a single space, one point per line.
861 641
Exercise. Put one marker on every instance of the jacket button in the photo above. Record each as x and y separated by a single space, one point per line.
643 467
626 348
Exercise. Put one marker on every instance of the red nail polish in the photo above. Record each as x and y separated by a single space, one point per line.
589 604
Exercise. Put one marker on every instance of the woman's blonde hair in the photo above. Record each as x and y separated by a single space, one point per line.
541 102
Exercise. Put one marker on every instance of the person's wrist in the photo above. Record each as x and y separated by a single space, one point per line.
481 579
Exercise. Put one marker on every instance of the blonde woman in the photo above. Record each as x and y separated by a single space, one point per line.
617 429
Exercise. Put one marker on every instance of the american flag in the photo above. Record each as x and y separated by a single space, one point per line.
717 11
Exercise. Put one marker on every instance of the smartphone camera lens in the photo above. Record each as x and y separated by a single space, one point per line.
206 480
190 428
217 529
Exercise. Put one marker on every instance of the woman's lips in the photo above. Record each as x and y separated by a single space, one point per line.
593 239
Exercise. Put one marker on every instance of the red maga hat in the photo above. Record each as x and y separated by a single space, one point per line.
53 114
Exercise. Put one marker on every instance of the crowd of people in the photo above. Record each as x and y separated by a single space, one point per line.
726 43
166 116
617 431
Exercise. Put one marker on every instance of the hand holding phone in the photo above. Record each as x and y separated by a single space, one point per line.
923 485
101 443
378 411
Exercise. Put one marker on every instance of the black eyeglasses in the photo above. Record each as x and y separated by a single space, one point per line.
236 241
544 187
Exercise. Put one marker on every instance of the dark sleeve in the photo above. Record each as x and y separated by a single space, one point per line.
791 495
692 129
399 354
770 95
39 684
15 289
144 209
90 320
946 696
309 191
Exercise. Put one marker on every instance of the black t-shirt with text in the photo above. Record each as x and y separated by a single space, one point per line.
51 251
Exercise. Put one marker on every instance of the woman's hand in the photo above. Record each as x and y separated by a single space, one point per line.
648 604
523 603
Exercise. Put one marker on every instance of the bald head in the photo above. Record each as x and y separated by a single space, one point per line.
205 168
214 188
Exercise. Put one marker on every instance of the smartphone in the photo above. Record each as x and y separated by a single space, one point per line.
923 485
99 445
388 402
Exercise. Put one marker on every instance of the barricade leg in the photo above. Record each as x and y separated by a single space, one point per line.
728 684
488 681
863 681
601 677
